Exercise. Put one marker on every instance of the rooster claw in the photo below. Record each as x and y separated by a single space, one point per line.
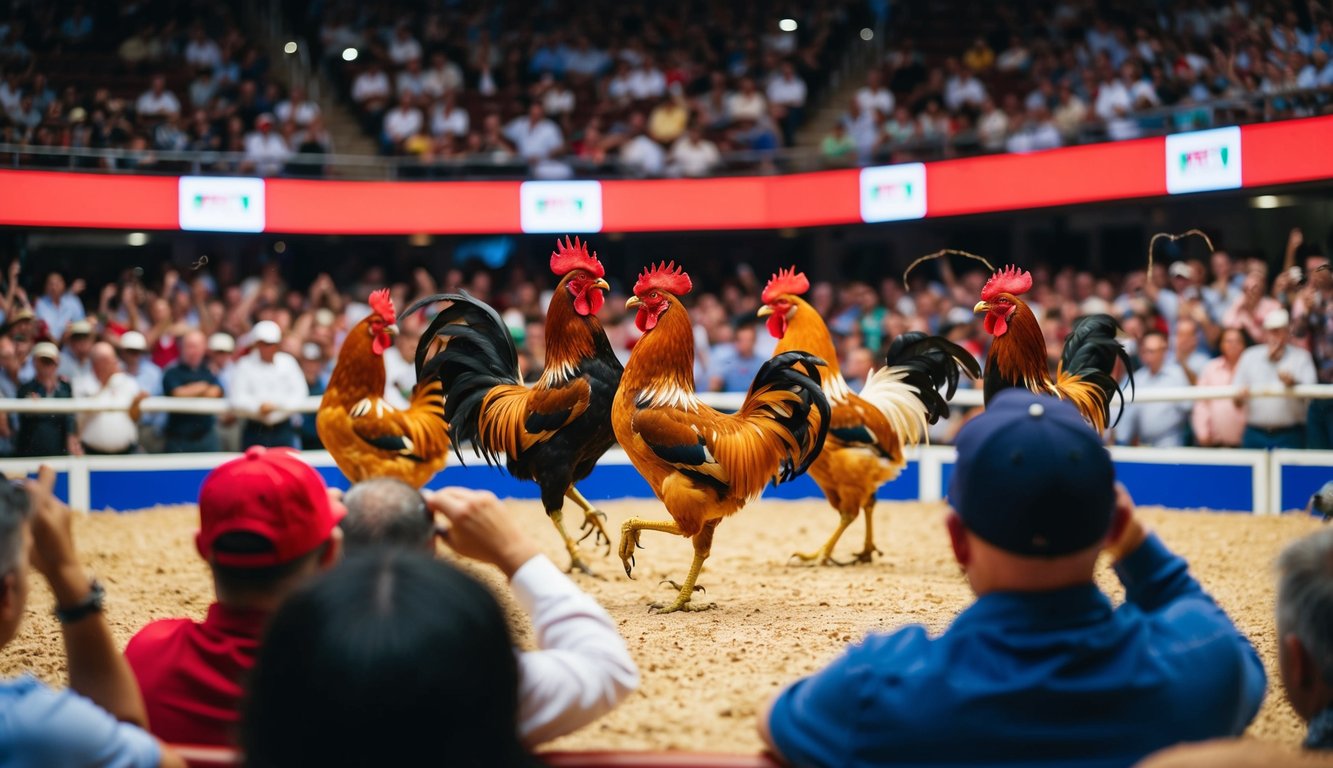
679 587
592 526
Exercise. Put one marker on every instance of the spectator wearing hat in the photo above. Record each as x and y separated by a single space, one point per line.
111 429
134 357
1041 667
221 348
1159 425
100 718
58 306
76 359
191 377
267 524
266 151
267 389
1274 422
315 370
46 434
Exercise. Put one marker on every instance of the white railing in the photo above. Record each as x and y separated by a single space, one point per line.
724 400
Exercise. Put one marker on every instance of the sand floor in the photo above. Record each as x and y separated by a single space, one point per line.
706 675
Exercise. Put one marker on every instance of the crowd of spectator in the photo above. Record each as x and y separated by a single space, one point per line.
264 346
154 78
1043 75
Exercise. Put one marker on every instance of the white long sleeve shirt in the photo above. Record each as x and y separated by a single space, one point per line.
582 670
109 431
255 382
1255 369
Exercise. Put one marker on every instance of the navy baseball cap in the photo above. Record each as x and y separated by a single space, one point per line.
1032 477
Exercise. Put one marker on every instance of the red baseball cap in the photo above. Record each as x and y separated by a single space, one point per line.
271 493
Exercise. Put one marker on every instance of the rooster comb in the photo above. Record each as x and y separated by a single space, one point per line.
570 255
666 277
1010 279
785 281
382 304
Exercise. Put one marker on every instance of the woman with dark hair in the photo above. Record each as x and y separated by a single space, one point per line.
1220 422
390 659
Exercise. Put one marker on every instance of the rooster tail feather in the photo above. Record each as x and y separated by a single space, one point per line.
785 390
907 389
469 349
1090 353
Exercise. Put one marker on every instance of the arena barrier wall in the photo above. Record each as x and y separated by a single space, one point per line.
1258 482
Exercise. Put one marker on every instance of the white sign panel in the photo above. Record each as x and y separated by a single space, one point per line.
1203 160
893 192
560 206
216 204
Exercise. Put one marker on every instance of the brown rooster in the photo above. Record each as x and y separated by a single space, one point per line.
705 465
869 431
367 436
1017 356
555 432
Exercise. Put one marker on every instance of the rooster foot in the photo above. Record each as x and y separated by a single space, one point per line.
629 541
576 564
678 587
681 604
592 526
866 556
817 558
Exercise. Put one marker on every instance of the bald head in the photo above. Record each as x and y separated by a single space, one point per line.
105 362
386 512
193 346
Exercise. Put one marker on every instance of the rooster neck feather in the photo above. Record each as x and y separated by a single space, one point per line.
807 332
664 357
1019 355
570 337
359 370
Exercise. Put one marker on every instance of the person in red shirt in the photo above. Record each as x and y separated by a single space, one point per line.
267 524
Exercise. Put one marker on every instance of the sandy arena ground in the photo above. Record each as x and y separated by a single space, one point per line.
705 676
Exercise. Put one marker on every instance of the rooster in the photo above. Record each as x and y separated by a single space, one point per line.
705 465
1017 356
555 432
367 436
869 431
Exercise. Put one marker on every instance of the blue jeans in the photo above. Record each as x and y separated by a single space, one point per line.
209 442
1287 437
282 435
1319 425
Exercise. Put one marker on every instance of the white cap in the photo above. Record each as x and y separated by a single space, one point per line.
1181 269
133 341
47 350
266 332
221 342
80 328
1278 318
311 351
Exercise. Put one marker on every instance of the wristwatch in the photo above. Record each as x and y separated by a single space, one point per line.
85 607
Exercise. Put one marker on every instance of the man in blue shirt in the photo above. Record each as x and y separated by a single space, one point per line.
1041 669
99 719
57 308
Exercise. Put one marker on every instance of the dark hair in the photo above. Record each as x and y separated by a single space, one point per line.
233 581
391 658
14 509
386 511
1153 333
1245 339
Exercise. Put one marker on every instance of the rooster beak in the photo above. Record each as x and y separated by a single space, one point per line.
392 330
765 311
981 307
602 285
632 302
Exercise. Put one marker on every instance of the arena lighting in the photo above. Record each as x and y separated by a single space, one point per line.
867 34
349 54
136 239
280 247
1264 201
290 47
787 25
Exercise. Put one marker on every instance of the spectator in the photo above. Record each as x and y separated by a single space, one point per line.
313 368
1070 113
535 137
448 119
1015 58
267 524
873 96
788 91
747 103
58 307
411 81
266 151
371 90
1187 354
1251 309
191 377
734 366
203 89
1312 325
902 128
863 128
99 719
963 89
76 359
143 47
1220 422
386 512
837 147
1304 600
442 77
668 120
46 434
557 99
401 123
979 57
133 352
993 126
646 81
693 155
202 52
1014 676
267 388
77 28
1274 422
403 47
1159 425
110 430
1224 290
296 108
157 101
640 155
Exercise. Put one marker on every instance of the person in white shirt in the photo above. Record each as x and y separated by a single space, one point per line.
266 151
1274 422
135 362
1113 99
267 387
157 101
201 52
641 156
296 108
402 122
449 119
788 89
442 77
963 90
747 103
403 47
694 155
536 137
646 81
371 89
411 80
1159 425
111 430
873 96
557 99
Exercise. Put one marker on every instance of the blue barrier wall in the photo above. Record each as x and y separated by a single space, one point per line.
1299 484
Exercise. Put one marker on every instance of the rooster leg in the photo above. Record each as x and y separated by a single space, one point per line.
867 555
592 519
575 562
825 554
629 537
703 546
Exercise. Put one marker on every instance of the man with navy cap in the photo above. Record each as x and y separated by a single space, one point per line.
1041 669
